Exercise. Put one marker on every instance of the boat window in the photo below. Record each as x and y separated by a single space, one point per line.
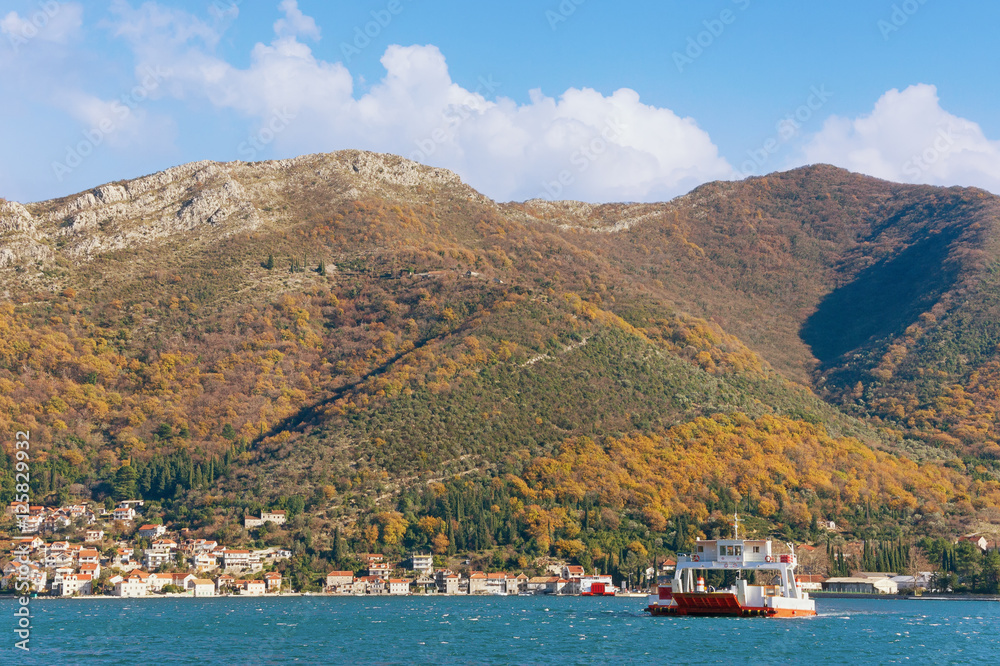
701 549
739 551
756 549
729 551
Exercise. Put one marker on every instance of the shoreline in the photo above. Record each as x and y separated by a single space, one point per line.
317 594
904 597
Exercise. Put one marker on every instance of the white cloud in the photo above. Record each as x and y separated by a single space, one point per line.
295 23
53 22
582 144
909 138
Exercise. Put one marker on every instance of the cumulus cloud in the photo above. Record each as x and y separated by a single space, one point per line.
581 144
909 138
53 22
295 23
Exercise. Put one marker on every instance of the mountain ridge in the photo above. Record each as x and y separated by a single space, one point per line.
351 326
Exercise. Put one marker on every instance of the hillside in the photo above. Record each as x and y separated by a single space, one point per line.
374 343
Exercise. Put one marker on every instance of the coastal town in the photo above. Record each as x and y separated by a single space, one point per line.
154 560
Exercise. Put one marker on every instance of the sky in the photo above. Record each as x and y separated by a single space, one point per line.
560 99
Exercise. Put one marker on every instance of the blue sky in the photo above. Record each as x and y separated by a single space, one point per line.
583 99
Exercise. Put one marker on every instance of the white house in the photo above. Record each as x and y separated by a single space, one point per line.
152 531
155 558
399 586
89 556
202 587
250 587
979 542
240 560
922 579
95 535
339 581
380 569
126 514
273 581
92 568
76 584
136 584
422 563
276 517
205 562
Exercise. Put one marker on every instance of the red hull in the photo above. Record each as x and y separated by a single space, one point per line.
720 604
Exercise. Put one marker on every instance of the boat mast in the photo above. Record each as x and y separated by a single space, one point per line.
736 537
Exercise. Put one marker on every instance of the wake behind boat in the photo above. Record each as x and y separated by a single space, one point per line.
685 595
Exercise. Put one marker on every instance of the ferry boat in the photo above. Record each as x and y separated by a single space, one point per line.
686 594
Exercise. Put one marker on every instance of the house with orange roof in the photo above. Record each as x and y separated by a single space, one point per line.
32 543
250 587
399 586
205 562
809 582
89 556
239 560
381 569
273 581
501 583
76 585
370 585
448 582
12 574
477 582
135 584
92 568
223 582
340 581
152 531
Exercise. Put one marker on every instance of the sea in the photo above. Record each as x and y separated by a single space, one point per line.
493 630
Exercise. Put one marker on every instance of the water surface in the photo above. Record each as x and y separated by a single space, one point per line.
494 630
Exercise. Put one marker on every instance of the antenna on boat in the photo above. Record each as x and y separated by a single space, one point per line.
736 526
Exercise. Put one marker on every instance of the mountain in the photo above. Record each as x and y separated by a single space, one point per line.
376 345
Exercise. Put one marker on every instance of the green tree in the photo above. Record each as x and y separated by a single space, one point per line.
991 573
124 484
269 264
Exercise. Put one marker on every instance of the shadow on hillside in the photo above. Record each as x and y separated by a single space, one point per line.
882 300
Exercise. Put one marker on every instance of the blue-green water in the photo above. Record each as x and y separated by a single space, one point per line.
492 630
